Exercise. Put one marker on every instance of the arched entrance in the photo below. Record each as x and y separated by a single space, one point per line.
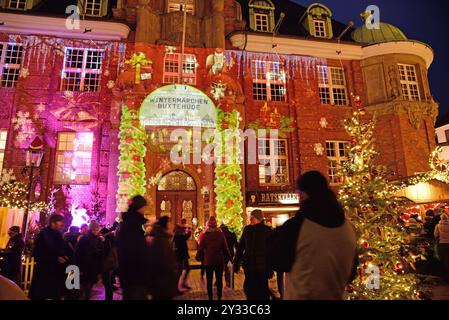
177 197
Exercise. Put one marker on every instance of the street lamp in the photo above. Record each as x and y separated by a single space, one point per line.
34 155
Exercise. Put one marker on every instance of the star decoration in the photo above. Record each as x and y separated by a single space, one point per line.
24 72
323 123
319 149
110 84
40 107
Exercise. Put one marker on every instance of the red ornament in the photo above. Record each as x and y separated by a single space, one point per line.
229 203
374 173
364 209
233 177
365 244
136 123
136 158
375 209
225 125
129 140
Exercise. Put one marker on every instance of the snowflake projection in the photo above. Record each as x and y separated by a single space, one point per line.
24 126
24 72
170 49
205 190
7 176
165 164
323 123
41 107
319 149
218 91
107 73
111 84
154 180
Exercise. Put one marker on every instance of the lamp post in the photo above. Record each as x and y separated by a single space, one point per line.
34 155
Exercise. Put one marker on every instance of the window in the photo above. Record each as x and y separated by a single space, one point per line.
172 72
337 155
82 70
3 137
446 134
73 158
261 22
10 63
17 4
93 8
261 15
320 28
332 86
268 81
273 161
178 5
409 82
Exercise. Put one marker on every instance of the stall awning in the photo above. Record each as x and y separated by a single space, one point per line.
427 192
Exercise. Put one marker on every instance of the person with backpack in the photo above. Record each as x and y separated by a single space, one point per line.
253 253
319 246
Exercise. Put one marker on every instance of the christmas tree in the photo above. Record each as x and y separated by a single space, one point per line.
131 169
386 257
228 173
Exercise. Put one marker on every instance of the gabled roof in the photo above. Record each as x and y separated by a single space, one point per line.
291 25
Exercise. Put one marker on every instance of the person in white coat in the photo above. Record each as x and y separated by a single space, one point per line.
326 244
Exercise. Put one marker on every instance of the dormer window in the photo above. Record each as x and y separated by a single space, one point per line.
94 8
17 4
237 11
318 21
181 5
261 15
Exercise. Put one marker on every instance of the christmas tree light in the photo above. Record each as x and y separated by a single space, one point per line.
369 198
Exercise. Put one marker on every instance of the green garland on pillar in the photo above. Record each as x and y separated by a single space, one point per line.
228 173
131 168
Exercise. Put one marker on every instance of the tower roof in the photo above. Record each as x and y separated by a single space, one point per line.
385 33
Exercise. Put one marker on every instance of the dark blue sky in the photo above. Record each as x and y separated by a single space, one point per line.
425 21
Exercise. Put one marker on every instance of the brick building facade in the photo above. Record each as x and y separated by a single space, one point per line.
68 86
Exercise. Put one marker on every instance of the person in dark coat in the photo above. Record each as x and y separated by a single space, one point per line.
231 240
133 252
215 253
253 252
182 235
13 255
163 267
89 259
51 259
110 262
71 239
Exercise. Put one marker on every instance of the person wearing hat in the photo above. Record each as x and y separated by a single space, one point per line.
214 252
442 237
252 252
89 259
13 255
51 260
163 266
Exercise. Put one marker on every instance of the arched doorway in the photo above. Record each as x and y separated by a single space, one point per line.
177 197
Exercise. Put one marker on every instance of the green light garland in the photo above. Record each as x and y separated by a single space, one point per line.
131 168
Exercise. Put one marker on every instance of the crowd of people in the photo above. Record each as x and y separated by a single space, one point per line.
313 255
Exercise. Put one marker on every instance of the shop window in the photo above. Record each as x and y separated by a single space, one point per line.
269 81
261 15
409 82
337 155
10 63
181 5
82 70
73 158
273 161
332 86
172 72
3 138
